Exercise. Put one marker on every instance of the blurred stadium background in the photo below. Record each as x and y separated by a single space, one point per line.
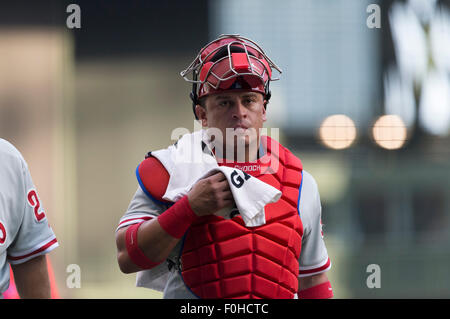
366 109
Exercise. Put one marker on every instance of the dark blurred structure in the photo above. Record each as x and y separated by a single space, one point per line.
398 201
137 27
24 13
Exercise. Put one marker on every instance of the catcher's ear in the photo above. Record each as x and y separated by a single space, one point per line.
264 112
200 111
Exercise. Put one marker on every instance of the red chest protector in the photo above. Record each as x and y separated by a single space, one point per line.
222 258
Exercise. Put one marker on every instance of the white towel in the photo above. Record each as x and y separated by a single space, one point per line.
190 160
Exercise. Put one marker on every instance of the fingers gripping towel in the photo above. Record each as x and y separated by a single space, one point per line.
190 159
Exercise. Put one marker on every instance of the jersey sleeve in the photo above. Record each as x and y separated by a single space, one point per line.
314 256
35 237
141 208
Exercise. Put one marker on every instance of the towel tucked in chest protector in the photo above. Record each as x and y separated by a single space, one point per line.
255 262
190 160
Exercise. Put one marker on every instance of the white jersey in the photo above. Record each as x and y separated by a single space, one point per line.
24 229
313 257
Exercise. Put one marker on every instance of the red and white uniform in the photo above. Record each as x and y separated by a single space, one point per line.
24 229
313 258
220 257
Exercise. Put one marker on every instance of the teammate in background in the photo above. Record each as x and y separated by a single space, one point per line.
187 251
25 235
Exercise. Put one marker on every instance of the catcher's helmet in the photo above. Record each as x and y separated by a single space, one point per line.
230 62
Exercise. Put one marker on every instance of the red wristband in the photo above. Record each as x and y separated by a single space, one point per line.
178 218
136 255
322 291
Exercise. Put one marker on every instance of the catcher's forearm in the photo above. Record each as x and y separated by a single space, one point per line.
153 241
145 245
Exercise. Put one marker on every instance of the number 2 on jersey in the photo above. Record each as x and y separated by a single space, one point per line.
34 202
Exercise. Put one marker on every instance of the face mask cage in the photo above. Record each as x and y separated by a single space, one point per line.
238 57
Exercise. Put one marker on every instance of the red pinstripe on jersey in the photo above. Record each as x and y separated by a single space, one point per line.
316 269
135 219
35 252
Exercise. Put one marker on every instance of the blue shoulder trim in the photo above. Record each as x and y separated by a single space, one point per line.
145 190
299 194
